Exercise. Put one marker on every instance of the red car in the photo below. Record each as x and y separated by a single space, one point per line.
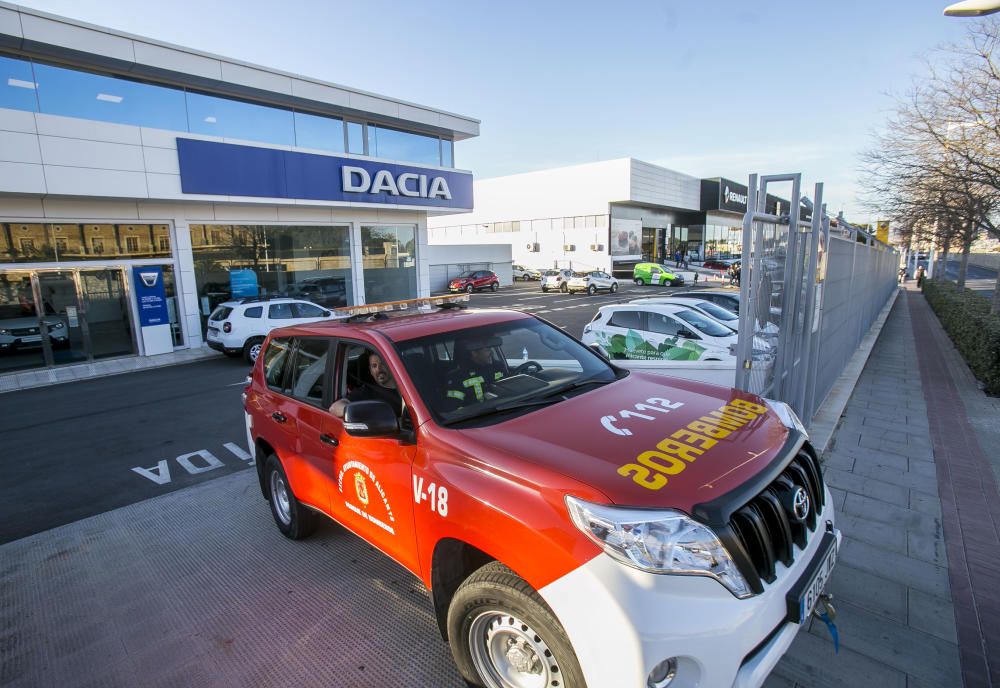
577 524
720 263
474 280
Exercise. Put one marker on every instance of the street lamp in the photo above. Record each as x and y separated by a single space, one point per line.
972 8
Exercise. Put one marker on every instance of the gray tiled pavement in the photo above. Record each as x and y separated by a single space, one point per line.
891 586
197 588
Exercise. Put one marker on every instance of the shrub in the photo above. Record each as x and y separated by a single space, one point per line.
975 331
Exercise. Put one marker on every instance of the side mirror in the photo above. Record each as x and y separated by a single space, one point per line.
686 334
326 314
370 419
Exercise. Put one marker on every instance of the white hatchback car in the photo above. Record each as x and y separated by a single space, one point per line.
652 331
591 282
239 327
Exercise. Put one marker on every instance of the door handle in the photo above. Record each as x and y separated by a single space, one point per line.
332 441
278 417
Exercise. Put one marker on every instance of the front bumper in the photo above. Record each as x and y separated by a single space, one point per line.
633 620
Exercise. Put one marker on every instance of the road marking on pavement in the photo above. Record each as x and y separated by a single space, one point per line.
196 462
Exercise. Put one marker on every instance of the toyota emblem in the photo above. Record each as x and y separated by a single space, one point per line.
800 503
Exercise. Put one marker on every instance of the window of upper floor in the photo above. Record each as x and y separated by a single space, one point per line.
38 87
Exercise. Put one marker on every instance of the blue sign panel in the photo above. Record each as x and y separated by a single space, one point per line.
243 283
226 169
150 295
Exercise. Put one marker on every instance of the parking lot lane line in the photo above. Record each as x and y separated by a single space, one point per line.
237 451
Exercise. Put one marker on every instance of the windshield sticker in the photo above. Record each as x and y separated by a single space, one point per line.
633 346
359 497
673 454
656 404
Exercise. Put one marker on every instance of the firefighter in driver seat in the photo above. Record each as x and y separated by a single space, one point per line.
475 369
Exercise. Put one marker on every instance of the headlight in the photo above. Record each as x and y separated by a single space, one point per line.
4 332
658 541
56 326
787 416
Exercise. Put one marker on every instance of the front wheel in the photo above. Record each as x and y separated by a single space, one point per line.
503 635
564 288
640 281
591 290
293 520
614 287
545 290
469 289
495 286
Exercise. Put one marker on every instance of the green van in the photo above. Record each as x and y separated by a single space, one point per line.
654 273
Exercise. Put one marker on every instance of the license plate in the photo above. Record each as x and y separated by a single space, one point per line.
30 339
802 598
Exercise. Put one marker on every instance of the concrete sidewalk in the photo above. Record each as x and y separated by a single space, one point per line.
895 587
197 588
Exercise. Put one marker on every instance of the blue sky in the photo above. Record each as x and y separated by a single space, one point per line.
706 88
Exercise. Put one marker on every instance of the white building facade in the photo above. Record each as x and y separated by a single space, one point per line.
606 215
126 162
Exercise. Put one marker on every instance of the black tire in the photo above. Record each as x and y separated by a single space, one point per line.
591 290
614 287
251 349
233 353
293 520
545 290
640 281
494 286
469 289
564 288
493 600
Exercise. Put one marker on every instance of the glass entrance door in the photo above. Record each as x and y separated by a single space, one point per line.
61 305
106 312
20 328
51 318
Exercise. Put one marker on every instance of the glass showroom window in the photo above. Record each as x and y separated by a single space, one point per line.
402 145
17 85
26 242
308 262
390 262
324 133
109 99
234 119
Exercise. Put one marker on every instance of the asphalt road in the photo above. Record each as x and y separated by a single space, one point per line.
980 280
79 449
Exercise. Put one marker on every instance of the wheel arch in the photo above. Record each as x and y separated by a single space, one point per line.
261 452
452 563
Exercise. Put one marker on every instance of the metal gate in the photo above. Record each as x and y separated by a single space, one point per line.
795 334
780 296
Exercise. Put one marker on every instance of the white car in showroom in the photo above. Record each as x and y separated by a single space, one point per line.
654 331
239 327
592 282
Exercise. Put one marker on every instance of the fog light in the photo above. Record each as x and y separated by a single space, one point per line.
662 674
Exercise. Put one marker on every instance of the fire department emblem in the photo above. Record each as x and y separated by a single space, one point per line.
361 488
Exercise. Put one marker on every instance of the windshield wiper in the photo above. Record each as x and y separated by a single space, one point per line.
552 397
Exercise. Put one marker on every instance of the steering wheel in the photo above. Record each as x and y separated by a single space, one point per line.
528 367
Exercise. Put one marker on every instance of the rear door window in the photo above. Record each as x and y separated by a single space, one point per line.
276 357
280 311
308 375
628 319
254 312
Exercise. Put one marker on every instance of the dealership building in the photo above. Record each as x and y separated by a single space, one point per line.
142 183
605 215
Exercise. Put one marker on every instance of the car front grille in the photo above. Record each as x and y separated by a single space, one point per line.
769 527
24 332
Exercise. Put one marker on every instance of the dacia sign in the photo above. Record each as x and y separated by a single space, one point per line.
225 169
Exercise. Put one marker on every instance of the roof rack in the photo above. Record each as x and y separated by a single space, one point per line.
268 297
378 310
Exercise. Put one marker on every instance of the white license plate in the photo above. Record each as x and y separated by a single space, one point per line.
30 339
821 575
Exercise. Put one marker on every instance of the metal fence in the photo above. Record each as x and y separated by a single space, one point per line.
807 298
